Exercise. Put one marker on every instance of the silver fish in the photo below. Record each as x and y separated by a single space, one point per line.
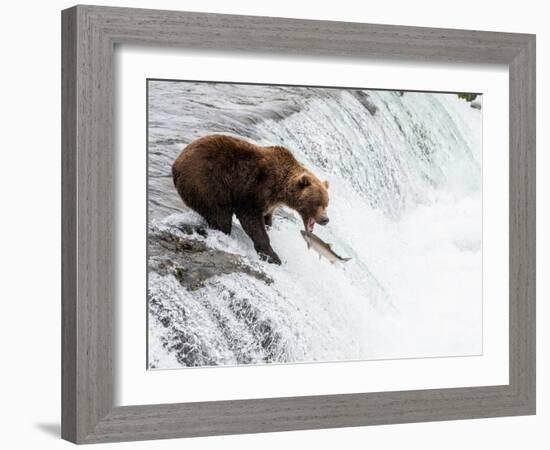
322 248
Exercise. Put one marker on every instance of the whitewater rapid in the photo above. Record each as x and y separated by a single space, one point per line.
405 204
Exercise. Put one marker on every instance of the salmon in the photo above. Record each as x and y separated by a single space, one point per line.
321 247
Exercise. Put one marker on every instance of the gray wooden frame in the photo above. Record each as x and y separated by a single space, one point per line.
89 36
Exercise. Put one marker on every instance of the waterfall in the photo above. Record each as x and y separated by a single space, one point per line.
405 205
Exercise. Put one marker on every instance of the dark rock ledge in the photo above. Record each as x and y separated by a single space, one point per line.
185 255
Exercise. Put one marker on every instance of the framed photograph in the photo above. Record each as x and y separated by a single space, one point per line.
278 224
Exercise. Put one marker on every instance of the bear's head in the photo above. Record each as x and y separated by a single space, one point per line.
310 199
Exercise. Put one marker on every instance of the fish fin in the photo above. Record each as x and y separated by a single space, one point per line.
346 259
308 245
329 245
319 256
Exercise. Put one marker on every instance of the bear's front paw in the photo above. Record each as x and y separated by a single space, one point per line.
271 257
275 259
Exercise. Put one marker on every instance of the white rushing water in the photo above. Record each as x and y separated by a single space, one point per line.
405 204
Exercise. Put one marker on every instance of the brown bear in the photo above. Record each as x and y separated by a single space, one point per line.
219 176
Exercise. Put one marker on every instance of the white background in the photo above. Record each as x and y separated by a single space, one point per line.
30 225
134 385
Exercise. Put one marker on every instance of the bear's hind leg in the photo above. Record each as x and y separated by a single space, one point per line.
219 219
254 225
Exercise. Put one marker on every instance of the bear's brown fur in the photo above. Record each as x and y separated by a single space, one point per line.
219 176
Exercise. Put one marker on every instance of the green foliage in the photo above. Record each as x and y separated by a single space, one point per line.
467 96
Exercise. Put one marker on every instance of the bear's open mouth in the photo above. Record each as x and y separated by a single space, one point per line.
310 224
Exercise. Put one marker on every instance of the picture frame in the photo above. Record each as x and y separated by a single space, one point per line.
89 37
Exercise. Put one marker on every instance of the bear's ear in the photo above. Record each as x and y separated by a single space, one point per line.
326 183
304 180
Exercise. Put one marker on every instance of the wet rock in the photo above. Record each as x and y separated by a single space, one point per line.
366 101
187 257
475 105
